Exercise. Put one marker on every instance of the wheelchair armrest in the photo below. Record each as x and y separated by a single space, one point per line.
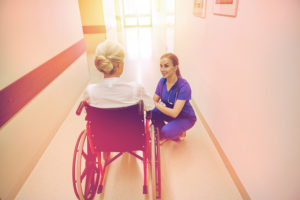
148 114
80 107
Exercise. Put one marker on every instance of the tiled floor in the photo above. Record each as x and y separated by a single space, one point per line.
191 169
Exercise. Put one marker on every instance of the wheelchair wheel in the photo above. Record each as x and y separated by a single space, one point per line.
155 164
85 171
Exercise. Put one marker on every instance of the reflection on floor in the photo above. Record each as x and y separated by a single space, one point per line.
191 169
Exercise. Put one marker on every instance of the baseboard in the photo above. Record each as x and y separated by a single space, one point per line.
223 156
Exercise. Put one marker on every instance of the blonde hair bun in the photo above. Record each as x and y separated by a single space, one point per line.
103 64
107 55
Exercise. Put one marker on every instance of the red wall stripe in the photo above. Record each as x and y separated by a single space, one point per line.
94 29
16 95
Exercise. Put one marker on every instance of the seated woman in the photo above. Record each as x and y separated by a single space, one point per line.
174 108
112 91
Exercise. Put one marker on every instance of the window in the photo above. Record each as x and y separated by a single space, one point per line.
137 13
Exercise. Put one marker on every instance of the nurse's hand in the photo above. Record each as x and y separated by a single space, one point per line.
162 103
172 112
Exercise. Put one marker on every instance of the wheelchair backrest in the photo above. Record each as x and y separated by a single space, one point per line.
117 129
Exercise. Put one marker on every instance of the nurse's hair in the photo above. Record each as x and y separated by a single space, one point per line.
107 56
174 60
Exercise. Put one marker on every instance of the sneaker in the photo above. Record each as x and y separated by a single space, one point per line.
162 141
181 137
161 137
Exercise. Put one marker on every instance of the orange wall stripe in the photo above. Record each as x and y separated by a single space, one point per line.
93 29
16 95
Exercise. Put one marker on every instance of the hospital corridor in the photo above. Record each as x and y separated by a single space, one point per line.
240 58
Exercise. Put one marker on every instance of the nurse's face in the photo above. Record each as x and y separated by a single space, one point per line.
167 68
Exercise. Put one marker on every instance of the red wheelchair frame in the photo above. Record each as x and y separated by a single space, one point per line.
90 180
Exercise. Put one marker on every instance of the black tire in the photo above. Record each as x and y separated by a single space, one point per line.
85 171
155 164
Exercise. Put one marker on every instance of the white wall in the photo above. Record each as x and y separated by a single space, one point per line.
33 32
244 73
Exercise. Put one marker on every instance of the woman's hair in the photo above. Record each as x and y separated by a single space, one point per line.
174 60
107 56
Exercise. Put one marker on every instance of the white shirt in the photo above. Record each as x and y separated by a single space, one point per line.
115 93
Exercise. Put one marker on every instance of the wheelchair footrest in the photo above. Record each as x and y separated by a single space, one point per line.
145 189
100 188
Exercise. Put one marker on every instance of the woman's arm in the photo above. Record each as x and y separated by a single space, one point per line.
156 98
148 102
172 112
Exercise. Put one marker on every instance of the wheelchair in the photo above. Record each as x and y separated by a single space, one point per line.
117 130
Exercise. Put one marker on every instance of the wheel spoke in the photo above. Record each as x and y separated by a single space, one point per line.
83 175
88 185
84 154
